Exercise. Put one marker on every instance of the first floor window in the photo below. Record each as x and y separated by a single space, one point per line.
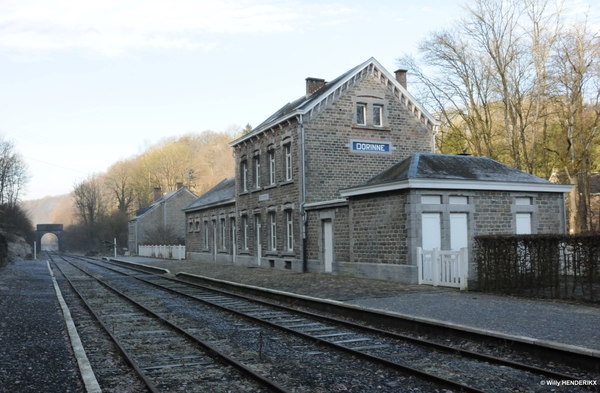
361 114
288 162
244 175
272 231
257 183
289 223
271 167
377 115
191 227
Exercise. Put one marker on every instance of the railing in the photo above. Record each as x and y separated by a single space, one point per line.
443 268
165 252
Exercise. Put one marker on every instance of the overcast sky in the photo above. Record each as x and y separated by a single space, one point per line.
84 84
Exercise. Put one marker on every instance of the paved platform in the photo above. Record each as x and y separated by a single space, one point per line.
35 352
554 323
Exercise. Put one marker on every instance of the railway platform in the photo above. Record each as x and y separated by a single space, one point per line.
574 327
35 353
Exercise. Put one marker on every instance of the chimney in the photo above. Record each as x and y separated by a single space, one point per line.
401 77
179 185
157 193
313 84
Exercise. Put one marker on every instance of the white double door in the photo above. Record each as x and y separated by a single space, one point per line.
432 231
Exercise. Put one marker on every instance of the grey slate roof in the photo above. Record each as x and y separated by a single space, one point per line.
222 192
305 101
452 167
327 93
143 210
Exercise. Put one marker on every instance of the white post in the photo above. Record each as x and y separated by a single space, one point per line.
419 266
435 267
34 249
115 246
464 268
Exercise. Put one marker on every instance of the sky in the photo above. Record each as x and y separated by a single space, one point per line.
86 83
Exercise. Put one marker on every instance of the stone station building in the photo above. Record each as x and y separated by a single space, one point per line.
309 192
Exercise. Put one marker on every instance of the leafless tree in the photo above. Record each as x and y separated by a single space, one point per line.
13 173
90 203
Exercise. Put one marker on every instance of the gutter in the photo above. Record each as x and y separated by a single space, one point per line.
303 215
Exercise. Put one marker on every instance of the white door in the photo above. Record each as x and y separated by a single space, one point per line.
523 224
258 226
432 231
458 231
328 245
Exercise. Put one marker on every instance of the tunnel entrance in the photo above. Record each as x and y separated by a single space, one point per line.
54 229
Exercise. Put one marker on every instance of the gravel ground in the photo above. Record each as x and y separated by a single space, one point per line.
35 353
556 321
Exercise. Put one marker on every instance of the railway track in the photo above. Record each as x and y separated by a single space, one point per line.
284 346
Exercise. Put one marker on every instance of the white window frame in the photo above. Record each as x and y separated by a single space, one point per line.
257 172
244 175
289 218
191 226
272 231
378 120
271 156
197 224
288 161
362 107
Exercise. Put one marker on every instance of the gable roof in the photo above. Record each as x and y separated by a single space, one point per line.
319 100
164 198
222 193
446 171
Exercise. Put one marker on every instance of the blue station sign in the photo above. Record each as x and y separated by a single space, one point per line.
371 147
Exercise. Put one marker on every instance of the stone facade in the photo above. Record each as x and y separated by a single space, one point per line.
309 191
165 214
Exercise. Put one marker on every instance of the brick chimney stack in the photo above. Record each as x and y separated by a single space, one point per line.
157 193
313 84
179 185
401 77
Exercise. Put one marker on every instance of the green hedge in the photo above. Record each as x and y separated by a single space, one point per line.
555 266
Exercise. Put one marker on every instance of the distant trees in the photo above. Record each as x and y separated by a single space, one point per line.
513 81
103 203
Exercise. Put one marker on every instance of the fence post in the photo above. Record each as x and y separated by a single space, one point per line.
464 268
419 266
435 267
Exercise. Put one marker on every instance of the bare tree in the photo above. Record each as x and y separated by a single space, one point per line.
90 203
576 77
13 173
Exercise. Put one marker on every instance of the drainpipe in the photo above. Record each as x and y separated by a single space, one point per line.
303 215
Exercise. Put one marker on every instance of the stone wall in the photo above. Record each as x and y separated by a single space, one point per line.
330 163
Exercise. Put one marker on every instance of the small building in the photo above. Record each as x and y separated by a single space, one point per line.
440 201
162 220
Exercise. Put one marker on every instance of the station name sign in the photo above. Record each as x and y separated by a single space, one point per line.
358 146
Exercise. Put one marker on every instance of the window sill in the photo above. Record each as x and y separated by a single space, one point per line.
269 186
271 253
206 250
256 189
223 252
370 127
288 254
244 252
285 183
243 193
